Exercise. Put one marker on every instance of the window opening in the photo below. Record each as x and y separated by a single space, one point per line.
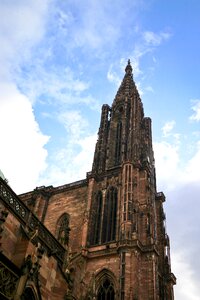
118 143
110 216
63 229
96 220
106 291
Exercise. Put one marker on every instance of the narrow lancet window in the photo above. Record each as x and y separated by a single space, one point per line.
96 220
63 229
118 143
110 216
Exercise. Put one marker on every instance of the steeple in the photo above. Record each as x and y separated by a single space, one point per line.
124 133
127 85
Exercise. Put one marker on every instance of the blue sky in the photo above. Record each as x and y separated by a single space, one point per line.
61 60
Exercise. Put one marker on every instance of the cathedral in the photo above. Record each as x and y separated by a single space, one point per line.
102 237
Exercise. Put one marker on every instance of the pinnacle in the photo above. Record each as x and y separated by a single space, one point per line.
127 84
128 68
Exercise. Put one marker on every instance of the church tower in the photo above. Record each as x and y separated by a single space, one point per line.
103 237
125 235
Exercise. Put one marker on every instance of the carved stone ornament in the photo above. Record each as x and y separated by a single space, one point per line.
8 281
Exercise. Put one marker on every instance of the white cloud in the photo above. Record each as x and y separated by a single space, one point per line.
138 53
22 153
149 89
192 173
71 165
56 86
87 26
155 39
74 159
22 27
150 40
172 172
196 108
179 179
95 28
180 182
64 19
74 123
183 224
167 164
143 46
112 76
167 128
186 287
23 156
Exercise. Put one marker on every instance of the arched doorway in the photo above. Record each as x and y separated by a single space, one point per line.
106 290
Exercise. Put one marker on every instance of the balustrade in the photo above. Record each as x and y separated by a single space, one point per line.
26 218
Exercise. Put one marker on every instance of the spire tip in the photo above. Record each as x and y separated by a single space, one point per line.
128 68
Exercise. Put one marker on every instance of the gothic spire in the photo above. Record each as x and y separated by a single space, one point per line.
127 86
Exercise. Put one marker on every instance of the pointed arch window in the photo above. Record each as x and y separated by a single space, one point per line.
118 143
63 229
106 291
110 216
96 219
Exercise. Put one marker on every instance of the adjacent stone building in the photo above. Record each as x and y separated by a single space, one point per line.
99 238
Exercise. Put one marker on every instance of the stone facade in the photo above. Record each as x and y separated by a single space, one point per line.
109 225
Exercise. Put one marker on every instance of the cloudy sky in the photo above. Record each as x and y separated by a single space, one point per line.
61 60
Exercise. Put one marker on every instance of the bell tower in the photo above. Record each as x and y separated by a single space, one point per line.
126 217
